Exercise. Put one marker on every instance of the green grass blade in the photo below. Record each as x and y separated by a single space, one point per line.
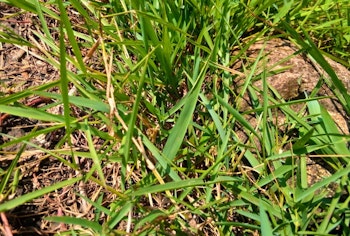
317 56
237 116
163 161
120 213
76 221
31 113
94 156
265 224
280 172
65 24
38 193
95 105
327 222
64 79
9 172
178 132
257 202
333 178
301 142
132 121
13 38
214 115
81 9
97 204
26 5
181 184
42 20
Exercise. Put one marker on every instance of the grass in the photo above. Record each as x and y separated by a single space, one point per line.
153 84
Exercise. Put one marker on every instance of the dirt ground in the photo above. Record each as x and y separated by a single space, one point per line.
21 68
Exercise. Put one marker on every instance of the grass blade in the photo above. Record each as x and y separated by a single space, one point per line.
76 221
178 132
265 224
38 193
337 175
31 113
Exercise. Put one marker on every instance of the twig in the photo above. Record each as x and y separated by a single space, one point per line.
7 227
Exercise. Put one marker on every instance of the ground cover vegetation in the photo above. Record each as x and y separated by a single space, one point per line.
124 117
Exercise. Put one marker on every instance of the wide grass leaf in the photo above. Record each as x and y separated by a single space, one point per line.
265 224
178 132
95 105
31 113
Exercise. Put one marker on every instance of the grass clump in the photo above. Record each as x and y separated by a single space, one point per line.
144 128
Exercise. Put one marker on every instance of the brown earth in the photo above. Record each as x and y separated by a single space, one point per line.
23 68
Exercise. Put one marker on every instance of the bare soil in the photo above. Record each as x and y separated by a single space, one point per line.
22 68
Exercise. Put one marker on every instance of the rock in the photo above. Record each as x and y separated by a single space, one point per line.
292 74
